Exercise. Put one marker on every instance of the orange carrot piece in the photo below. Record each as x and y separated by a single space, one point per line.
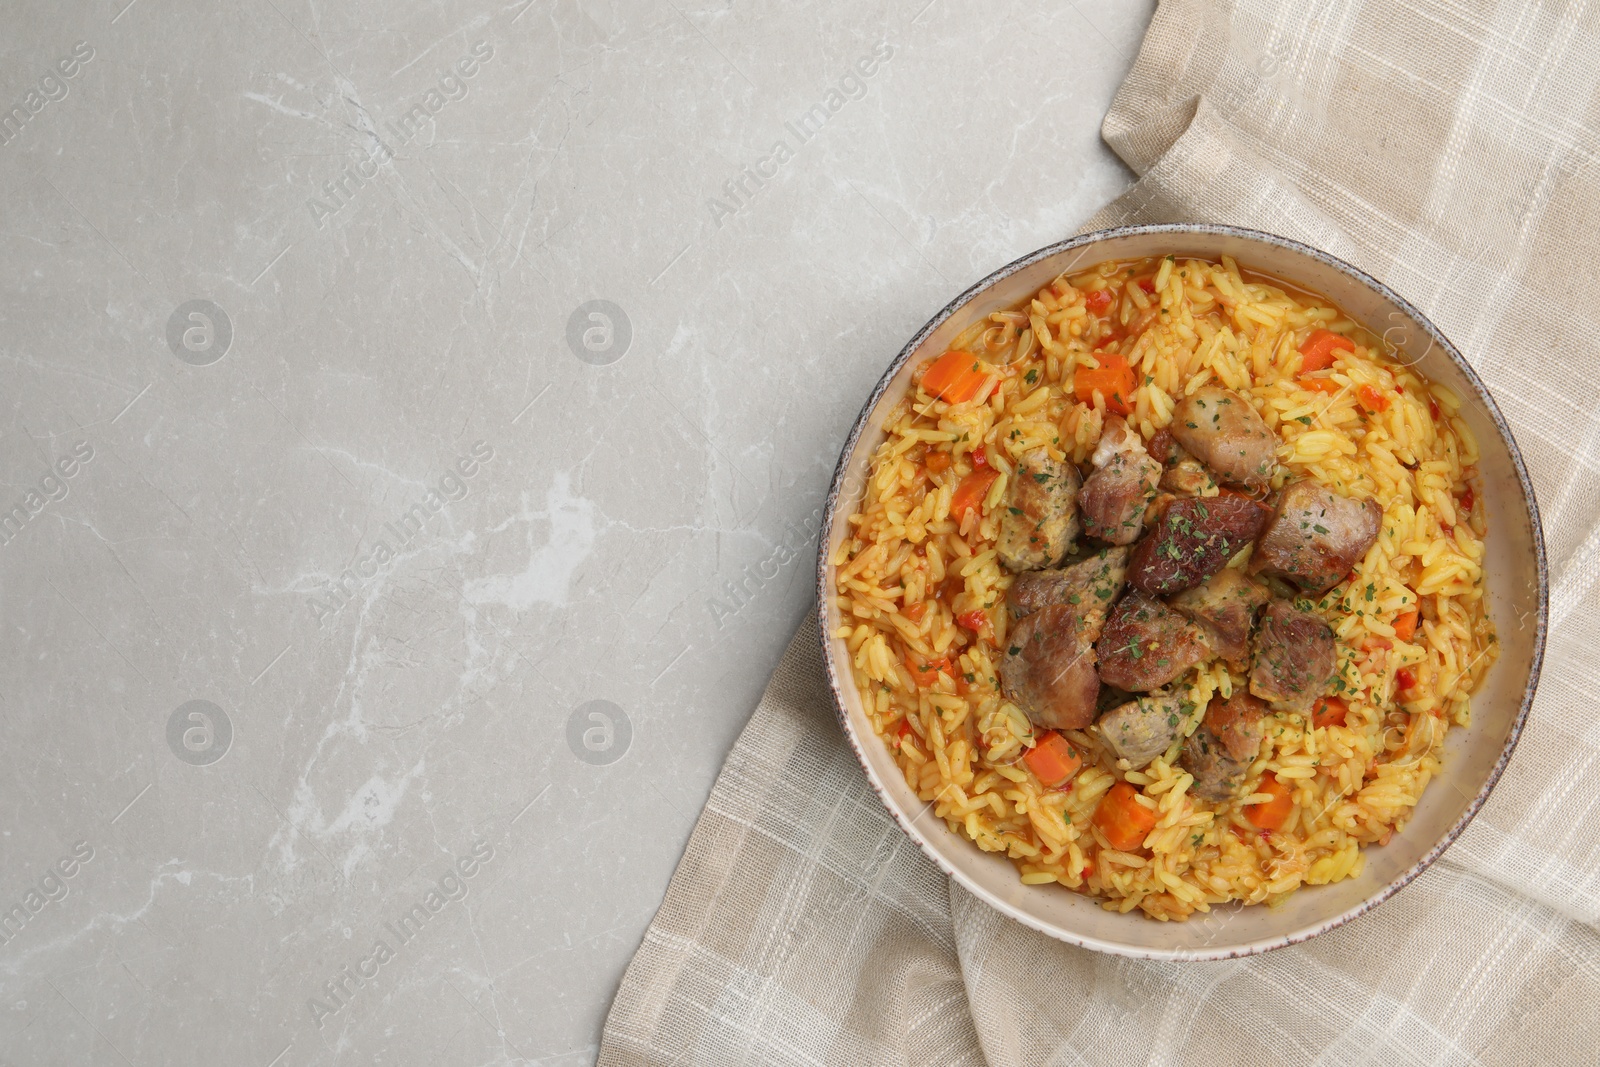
1124 820
976 621
1329 711
1113 379
926 672
1405 624
937 462
1317 352
1271 814
1053 759
1372 398
1319 385
1098 301
970 493
955 377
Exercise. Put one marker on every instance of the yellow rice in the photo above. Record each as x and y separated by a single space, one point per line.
1353 785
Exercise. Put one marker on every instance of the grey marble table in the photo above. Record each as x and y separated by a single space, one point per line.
416 419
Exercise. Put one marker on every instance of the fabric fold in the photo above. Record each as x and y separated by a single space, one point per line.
802 926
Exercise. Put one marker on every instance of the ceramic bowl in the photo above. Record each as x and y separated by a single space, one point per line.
1473 758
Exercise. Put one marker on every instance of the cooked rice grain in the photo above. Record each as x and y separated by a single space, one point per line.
908 570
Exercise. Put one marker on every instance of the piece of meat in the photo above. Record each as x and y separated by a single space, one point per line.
1220 428
1294 657
1187 477
1040 522
1316 536
1143 728
1181 473
1089 585
1163 446
1146 644
1114 497
1049 669
1049 664
1193 540
1223 746
1224 606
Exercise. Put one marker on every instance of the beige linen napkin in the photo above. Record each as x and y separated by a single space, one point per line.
1452 152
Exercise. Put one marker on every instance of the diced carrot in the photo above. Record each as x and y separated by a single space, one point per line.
1405 678
1053 759
970 493
1271 814
1113 379
1097 301
937 462
1124 820
914 612
1405 624
1372 397
926 672
955 377
1329 711
1317 351
1319 385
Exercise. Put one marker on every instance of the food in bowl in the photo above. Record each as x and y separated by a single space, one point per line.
1168 584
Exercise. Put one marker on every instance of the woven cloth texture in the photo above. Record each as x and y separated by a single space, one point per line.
1451 151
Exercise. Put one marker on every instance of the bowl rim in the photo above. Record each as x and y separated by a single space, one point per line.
906 821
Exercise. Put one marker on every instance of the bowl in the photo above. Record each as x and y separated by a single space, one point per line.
1473 759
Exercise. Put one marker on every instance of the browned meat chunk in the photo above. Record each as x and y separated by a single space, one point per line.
1115 495
1049 664
1089 585
1041 516
1223 746
1294 657
1048 669
1146 644
1163 446
1193 540
1142 729
1219 427
1181 473
1316 536
1224 606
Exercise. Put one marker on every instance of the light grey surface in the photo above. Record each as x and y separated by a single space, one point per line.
637 535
